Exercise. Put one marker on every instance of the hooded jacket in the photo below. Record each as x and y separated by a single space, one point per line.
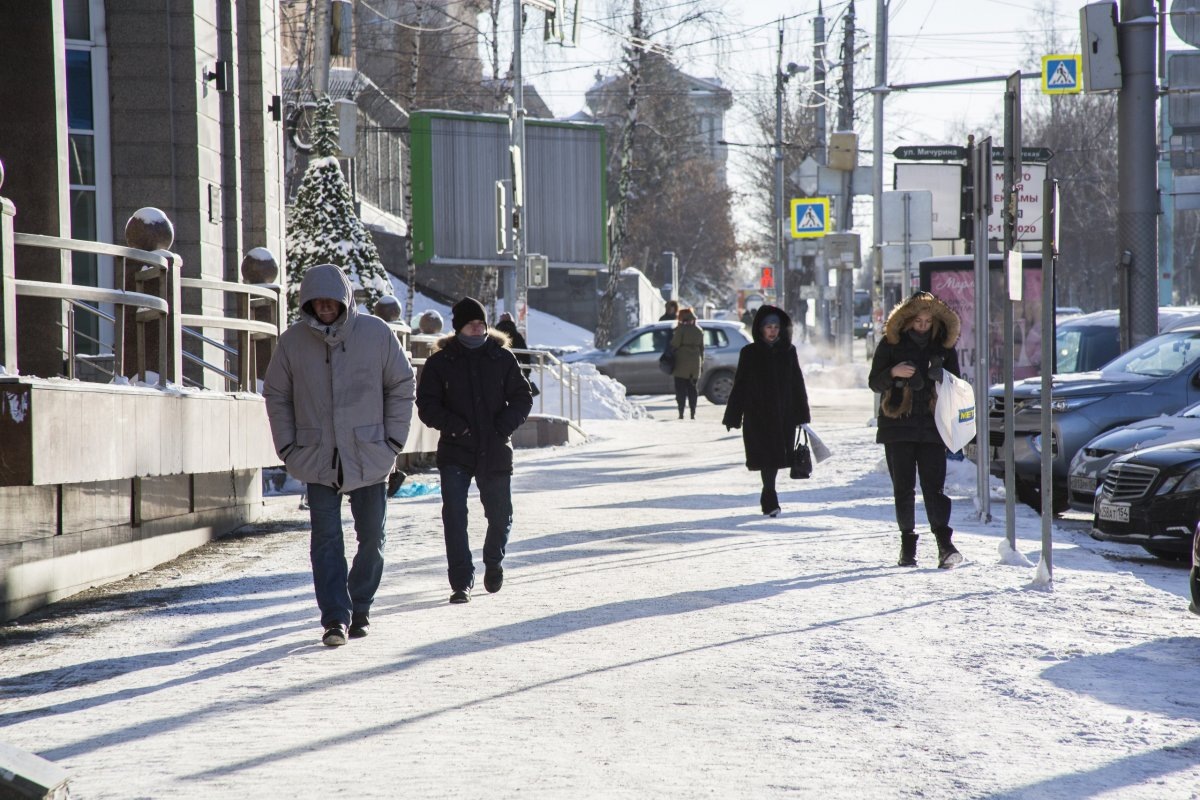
339 396
905 414
769 400
687 340
477 399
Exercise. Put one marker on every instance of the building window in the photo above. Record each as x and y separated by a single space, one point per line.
88 159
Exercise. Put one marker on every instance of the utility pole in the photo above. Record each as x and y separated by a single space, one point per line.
518 301
820 274
879 93
845 287
320 47
780 266
1137 171
846 121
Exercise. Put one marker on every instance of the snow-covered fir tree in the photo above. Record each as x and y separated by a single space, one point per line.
322 226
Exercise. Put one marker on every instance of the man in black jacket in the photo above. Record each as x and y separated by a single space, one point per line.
472 390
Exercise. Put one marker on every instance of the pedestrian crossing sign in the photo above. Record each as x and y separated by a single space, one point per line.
1060 74
810 217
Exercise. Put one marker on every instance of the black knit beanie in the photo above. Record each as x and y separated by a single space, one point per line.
467 310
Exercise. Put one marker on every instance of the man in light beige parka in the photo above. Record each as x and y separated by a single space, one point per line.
339 395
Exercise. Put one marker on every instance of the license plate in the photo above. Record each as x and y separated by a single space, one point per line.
1079 483
1111 512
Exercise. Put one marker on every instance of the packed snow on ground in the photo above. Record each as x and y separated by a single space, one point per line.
656 636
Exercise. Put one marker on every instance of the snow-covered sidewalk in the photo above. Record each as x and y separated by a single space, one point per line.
655 637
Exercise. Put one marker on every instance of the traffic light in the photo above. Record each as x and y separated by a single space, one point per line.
767 281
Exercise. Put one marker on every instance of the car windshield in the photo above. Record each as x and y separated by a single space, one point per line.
1068 342
1161 356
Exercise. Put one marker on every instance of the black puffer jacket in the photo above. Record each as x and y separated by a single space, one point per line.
768 401
905 414
476 398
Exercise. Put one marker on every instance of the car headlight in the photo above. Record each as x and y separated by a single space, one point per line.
1181 484
1059 404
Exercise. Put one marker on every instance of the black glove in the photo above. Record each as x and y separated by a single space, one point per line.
935 371
916 382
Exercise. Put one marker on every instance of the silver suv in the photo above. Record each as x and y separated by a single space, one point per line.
633 358
1159 376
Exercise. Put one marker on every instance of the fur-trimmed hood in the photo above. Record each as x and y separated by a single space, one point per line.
498 337
946 324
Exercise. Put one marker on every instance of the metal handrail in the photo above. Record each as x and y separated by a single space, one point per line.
248 330
72 293
570 386
156 265
96 248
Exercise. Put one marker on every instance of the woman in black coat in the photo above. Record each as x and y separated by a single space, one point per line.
917 346
768 401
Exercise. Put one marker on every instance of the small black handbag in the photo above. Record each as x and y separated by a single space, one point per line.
666 362
802 457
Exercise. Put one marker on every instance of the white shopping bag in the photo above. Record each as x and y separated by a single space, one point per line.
955 412
820 451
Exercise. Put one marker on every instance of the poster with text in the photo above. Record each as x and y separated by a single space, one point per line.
952 280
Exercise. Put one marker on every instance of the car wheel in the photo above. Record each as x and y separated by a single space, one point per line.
1165 555
1031 495
718 388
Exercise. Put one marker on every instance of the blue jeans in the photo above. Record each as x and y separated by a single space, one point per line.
496 495
338 594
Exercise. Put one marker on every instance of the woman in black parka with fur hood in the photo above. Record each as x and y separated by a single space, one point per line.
768 401
918 344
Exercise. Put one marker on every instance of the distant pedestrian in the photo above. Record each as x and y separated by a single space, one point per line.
687 340
472 390
508 327
339 396
769 400
917 346
671 312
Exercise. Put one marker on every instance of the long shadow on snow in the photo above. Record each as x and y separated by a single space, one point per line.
558 624
555 625
1158 670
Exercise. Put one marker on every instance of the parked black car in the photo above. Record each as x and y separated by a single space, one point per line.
1194 578
1151 498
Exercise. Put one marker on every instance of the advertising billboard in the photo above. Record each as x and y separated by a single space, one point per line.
952 280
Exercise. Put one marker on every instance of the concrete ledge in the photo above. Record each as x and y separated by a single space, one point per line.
31 578
63 432
547 431
24 775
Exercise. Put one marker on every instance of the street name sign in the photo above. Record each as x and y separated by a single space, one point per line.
810 217
924 152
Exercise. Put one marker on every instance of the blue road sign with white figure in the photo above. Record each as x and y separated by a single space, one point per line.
810 217
1060 74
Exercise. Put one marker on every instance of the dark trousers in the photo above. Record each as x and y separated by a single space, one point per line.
685 390
495 492
340 593
908 460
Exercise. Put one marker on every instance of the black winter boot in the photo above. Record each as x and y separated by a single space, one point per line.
768 500
948 555
908 550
